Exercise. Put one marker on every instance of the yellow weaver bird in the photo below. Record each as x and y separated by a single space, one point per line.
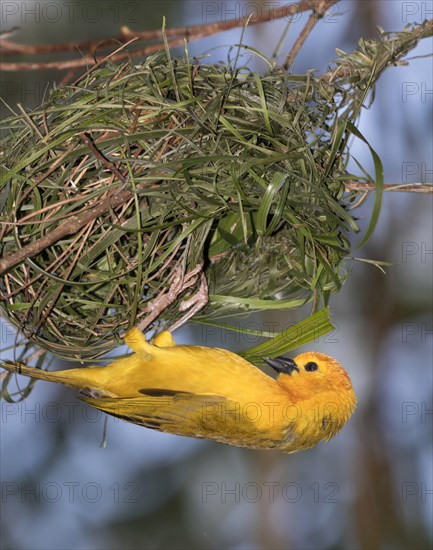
212 393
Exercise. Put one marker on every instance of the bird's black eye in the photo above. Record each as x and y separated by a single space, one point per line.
311 366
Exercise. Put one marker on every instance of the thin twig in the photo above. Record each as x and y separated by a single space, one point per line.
309 26
175 37
318 13
193 305
179 282
399 187
69 227
112 167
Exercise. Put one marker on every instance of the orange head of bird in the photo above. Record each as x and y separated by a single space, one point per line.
322 390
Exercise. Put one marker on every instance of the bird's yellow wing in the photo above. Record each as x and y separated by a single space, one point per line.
206 416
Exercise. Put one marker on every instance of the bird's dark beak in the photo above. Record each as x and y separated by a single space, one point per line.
282 364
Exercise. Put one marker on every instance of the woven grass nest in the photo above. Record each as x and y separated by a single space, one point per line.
177 167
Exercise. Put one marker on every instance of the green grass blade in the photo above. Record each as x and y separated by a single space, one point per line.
302 333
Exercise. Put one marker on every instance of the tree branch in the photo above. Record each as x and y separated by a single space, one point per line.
69 227
400 187
175 37
318 12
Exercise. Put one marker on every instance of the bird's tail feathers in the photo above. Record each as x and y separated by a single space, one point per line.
20 368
